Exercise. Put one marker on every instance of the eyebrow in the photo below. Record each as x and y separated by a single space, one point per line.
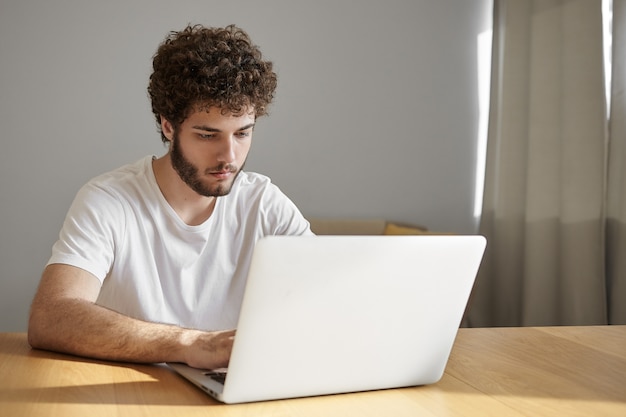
212 129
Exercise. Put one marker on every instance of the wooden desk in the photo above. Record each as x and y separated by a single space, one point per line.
556 371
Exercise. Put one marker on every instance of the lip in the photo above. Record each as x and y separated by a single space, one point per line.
222 175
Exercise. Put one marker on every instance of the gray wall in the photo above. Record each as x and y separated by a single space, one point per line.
376 113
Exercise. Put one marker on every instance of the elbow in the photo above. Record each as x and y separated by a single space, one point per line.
39 329
34 336
33 339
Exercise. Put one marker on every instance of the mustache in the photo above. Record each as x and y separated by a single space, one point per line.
221 169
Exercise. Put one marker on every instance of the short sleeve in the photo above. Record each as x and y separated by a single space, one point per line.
90 231
281 216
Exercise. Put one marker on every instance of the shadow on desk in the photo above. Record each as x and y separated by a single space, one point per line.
531 371
53 378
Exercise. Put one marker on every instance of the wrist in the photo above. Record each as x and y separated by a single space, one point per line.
187 339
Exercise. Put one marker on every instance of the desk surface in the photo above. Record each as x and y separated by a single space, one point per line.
551 371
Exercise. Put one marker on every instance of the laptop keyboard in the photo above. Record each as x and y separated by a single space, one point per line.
219 376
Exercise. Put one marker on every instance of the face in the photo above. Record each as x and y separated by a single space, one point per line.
209 149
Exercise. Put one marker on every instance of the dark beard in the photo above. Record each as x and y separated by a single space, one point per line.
189 173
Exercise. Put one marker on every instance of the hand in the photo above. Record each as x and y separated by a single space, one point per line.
209 350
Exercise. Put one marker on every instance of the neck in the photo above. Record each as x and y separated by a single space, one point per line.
191 207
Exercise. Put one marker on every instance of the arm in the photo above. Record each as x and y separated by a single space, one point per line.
65 318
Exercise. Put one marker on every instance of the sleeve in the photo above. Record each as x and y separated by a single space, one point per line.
280 214
90 232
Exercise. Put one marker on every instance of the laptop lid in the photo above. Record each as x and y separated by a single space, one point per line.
335 314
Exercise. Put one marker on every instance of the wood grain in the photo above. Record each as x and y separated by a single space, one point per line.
552 371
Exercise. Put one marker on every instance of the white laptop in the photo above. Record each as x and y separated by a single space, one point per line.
337 314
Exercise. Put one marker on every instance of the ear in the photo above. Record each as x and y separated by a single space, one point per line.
167 128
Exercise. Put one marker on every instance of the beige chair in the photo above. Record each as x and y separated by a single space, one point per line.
343 226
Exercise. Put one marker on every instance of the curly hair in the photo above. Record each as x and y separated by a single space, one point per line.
199 67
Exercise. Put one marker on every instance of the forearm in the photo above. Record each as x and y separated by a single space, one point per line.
83 328
65 318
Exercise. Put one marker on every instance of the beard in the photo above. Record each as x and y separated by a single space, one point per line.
190 174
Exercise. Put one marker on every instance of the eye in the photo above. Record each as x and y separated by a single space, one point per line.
206 136
243 134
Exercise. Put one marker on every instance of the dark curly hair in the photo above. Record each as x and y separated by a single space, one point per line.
201 67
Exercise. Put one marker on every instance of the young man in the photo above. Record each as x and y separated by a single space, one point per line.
151 261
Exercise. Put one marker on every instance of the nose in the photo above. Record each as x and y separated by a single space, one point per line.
227 150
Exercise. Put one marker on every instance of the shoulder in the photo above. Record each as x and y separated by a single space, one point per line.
127 177
252 183
123 175
255 195
252 179
110 190
252 186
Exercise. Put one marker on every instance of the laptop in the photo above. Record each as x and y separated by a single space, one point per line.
337 314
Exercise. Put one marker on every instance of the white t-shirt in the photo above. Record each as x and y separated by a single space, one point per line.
155 267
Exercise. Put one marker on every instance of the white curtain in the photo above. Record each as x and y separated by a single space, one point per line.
553 257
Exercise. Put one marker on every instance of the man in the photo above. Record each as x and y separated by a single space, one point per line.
151 262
